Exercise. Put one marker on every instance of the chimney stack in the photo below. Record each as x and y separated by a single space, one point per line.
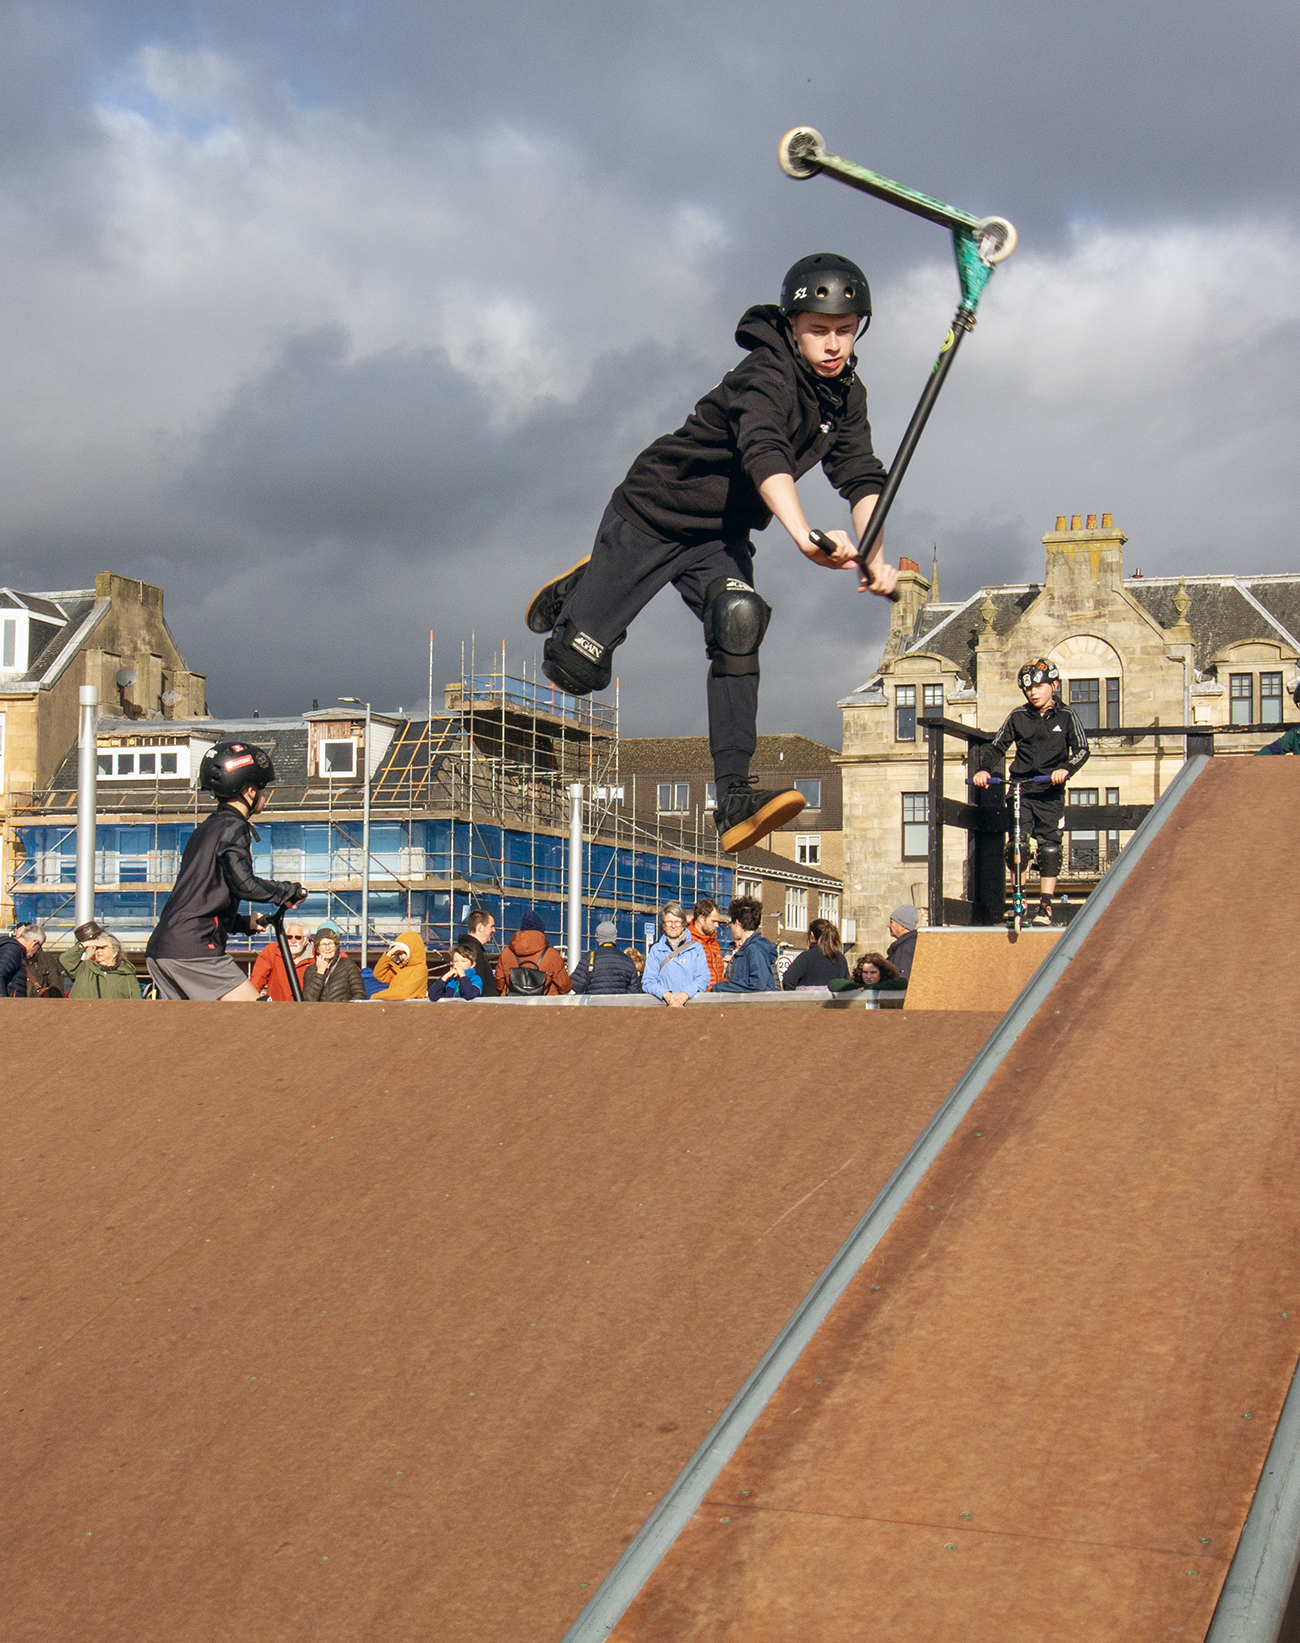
1084 564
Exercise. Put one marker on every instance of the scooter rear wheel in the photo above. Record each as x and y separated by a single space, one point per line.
799 152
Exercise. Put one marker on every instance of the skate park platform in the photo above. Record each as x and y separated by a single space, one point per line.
713 1324
974 968
1047 1390
393 1323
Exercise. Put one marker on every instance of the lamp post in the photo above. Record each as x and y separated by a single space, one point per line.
575 874
83 900
365 831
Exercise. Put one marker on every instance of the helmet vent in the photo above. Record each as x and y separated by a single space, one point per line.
823 290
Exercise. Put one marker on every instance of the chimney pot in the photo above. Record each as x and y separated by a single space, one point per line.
1107 523
1060 521
1076 522
909 564
1092 521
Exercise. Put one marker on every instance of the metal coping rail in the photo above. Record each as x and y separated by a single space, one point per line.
1253 1602
620 1587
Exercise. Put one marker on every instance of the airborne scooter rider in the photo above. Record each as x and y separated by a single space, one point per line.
1051 744
686 508
186 953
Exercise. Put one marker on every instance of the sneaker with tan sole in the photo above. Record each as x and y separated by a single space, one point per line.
747 813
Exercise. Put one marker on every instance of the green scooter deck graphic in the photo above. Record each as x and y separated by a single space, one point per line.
978 243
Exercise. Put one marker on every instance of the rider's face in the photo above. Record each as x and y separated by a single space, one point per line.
1041 696
825 340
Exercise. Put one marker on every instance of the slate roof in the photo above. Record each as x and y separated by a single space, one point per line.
1224 610
676 755
51 609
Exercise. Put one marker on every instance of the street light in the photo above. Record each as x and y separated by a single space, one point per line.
355 701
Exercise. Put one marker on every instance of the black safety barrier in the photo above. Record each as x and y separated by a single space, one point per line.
986 820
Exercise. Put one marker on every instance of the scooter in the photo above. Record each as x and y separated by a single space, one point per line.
978 243
276 922
1017 867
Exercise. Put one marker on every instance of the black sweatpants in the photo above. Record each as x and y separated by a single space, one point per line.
1042 817
628 567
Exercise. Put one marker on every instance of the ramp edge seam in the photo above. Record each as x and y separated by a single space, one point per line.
620 1587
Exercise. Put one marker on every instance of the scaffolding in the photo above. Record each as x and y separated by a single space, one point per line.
469 805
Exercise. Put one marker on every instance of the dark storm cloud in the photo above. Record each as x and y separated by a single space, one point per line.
249 251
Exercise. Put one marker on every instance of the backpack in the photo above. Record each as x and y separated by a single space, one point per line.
528 978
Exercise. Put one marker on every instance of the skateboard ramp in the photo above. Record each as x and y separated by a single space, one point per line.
332 1324
954 967
1041 1404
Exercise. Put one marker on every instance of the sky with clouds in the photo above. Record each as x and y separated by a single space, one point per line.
341 321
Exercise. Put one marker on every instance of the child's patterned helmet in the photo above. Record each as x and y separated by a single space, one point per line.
1038 672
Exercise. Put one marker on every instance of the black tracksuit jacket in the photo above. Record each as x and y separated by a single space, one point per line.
216 875
770 415
1044 743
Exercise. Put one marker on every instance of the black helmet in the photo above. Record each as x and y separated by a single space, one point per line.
1038 672
826 284
229 767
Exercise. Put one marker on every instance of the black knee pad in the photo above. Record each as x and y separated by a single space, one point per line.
577 662
1049 858
1010 853
735 620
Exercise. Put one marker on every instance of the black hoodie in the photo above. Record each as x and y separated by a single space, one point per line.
770 415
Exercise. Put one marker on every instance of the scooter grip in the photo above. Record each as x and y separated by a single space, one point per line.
819 539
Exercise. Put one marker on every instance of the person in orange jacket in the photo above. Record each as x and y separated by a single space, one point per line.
267 974
531 952
404 968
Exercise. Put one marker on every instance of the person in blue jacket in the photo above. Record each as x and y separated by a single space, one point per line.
676 967
753 963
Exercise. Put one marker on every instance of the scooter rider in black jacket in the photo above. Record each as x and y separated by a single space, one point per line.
1050 743
685 510
186 953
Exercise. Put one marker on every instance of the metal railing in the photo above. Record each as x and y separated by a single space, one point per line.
985 820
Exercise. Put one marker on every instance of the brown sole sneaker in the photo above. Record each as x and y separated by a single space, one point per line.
775 813
545 605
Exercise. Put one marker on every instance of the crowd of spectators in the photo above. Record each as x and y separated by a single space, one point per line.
686 961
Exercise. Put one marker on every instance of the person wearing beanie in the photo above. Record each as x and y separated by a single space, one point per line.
605 969
531 952
902 928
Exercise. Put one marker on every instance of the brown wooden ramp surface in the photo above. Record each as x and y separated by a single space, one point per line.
1041 1408
350 1324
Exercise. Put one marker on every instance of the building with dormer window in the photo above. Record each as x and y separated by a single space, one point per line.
1132 650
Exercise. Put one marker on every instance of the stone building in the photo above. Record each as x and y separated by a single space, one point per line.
114 636
1132 650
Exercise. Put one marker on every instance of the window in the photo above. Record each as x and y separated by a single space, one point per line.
1270 698
932 700
674 798
126 764
338 758
1241 696
1113 720
812 794
1085 699
916 826
609 795
808 849
753 888
148 764
1112 834
905 713
711 795
796 908
9 643
167 764
1083 846
104 764
828 905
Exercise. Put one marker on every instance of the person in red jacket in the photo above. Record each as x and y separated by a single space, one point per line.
703 925
267 974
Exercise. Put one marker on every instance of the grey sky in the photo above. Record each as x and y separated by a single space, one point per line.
342 321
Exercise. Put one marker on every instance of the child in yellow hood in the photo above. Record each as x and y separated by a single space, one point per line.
404 969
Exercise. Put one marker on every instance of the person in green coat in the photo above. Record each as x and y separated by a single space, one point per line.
1288 742
98 970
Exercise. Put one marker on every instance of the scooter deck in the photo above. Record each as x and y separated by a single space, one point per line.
545 605
775 813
